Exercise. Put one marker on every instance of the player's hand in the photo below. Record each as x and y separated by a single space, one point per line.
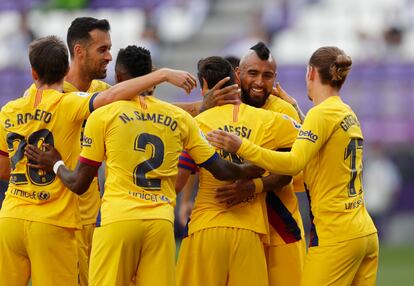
220 96
280 92
42 159
235 193
182 79
184 212
224 140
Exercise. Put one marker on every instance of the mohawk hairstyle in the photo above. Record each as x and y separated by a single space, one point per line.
261 50
136 61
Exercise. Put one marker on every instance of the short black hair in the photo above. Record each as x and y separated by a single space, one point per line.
136 61
233 60
261 50
213 69
49 58
80 28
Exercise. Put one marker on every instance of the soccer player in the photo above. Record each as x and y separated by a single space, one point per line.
141 140
286 250
39 215
226 239
344 242
89 45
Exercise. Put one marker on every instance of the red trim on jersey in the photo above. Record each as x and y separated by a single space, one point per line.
38 98
89 162
4 153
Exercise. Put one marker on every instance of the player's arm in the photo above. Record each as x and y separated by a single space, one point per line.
191 107
280 92
312 136
4 155
241 190
4 166
227 171
186 194
130 88
49 160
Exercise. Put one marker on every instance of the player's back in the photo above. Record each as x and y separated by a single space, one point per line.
333 177
39 117
143 140
265 128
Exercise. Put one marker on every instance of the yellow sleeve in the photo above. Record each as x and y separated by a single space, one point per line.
314 133
93 143
196 144
282 131
79 105
3 137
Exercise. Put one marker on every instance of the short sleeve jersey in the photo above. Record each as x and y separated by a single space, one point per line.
141 141
39 117
268 129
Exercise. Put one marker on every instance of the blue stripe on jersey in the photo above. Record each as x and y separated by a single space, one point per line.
185 231
313 238
281 219
210 160
91 102
98 218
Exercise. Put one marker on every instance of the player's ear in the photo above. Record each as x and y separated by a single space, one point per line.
311 73
78 50
237 74
204 87
35 76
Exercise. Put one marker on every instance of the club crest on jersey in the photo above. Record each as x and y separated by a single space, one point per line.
43 196
82 94
295 124
307 135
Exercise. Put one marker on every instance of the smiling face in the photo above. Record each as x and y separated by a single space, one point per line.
257 78
97 54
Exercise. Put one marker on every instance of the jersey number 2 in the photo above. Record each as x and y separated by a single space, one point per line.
155 160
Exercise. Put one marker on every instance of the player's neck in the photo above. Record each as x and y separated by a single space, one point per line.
322 93
77 78
56 86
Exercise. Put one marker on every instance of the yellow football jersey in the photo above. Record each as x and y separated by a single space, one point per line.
276 104
268 129
51 117
329 147
141 141
285 220
90 201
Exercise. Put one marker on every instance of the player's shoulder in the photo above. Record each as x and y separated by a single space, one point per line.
277 104
98 85
167 108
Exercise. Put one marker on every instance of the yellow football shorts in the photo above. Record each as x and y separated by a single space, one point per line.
44 252
142 251
351 262
285 263
222 256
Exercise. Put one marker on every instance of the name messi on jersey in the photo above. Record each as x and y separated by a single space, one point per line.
154 117
23 118
240 131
